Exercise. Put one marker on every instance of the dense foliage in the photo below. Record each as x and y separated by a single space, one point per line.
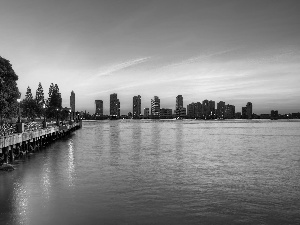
9 92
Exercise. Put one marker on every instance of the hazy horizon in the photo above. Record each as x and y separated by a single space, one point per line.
232 51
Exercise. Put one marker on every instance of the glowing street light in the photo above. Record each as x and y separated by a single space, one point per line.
19 103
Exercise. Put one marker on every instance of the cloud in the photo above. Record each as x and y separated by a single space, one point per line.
117 67
200 58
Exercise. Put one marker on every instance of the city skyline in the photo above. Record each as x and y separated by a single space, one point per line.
233 51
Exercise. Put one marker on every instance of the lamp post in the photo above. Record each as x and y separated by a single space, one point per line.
57 122
19 103
44 122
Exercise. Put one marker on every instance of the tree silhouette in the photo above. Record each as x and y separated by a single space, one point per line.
9 92
54 101
28 105
39 98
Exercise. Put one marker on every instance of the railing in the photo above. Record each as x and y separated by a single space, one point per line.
10 128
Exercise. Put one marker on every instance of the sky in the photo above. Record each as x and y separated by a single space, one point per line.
234 51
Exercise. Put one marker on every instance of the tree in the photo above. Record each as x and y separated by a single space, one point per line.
54 101
40 101
29 105
9 92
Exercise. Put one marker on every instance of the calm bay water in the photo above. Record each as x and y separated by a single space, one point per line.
160 172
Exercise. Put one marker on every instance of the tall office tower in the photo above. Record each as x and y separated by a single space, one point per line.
221 110
229 112
274 114
72 101
205 109
155 107
99 108
146 112
244 112
191 110
136 107
249 110
179 105
198 110
114 105
212 109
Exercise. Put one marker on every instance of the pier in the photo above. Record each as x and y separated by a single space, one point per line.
19 144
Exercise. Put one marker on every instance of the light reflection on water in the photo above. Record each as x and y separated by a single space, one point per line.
160 172
71 166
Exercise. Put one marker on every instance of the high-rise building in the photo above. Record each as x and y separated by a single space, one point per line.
244 113
191 114
180 111
220 110
166 113
212 109
229 112
249 110
72 101
155 107
136 107
198 110
114 106
99 108
274 114
205 109
146 112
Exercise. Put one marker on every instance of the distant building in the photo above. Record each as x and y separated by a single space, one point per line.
191 111
146 112
205 109
265 116
114 106
129 115
244 112
166 113
296 115
179 110
220 113
229 112
274 115
155 107
72 101
99 108
249 110
238 115
136 107
212 109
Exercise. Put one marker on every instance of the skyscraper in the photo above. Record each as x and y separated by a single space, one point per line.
249 110
221 110
136 108
146 112
99 108
72 101
155 107
229 112
114 106
179 110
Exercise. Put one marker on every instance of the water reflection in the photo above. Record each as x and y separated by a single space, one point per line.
114 137
21 199
137 141
45 182
71 165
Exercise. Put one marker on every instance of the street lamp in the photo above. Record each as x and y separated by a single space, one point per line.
70 114
57 122
44 109
19 103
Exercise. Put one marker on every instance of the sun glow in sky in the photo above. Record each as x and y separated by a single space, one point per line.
234 51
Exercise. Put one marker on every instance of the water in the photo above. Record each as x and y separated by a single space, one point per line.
160 172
